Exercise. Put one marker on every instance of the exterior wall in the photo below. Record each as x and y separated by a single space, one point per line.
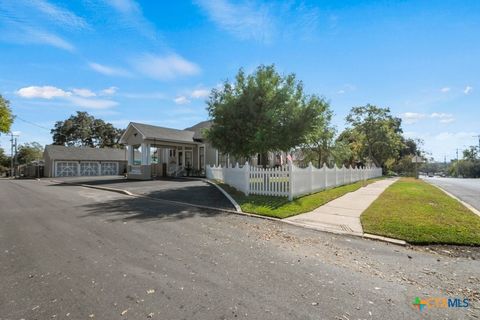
210 154
48 171
132 139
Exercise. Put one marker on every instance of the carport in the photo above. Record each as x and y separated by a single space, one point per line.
163 152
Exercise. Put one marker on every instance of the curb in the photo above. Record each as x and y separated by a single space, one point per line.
238 212
467 205
229 197
384 239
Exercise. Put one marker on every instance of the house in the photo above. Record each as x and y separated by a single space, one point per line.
61 161
173 152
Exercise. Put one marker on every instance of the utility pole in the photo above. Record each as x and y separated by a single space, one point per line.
478 136
13 146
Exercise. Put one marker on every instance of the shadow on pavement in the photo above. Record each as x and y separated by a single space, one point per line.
141 209
191 191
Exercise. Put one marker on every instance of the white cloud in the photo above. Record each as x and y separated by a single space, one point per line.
468 90
59 15
445 89
200 93
77 97
86 93
444 144
109 71
413 117
92 103
39 36
181 100
444 117
45 92
243 20
165 67
109 91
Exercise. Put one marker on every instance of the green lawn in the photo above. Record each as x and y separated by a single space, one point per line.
420 213
280 207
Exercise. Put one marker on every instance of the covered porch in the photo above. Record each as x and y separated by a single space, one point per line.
162 152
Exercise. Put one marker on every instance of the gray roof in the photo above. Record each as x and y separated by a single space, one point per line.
199 128
154 132
56 152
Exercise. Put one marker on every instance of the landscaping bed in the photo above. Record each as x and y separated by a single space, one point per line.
419 213
280 207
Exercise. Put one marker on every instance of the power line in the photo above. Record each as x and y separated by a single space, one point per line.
32 123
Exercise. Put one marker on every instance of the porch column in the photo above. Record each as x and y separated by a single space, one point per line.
145 153
130 153
183 156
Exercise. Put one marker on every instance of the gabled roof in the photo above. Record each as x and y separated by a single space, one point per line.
161 133
56 152
199 128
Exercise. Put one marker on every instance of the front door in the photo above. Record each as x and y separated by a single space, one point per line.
188 159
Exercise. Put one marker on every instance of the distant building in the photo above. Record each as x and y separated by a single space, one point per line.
61 161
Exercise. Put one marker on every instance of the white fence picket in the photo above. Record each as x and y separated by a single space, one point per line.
288 181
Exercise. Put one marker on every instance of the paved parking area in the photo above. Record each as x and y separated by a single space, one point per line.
192 191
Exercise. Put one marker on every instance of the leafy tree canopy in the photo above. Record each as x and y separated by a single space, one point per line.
6 116
4 159
260 112
83 129
319 143
377 134
29 152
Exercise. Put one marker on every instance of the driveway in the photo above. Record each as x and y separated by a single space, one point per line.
80 253
467 190
192 191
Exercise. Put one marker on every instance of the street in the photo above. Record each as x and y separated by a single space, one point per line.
70 252
467 190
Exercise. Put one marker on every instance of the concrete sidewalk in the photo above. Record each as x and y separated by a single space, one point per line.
342 215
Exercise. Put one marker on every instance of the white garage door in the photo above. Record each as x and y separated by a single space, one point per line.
89 169
109 168
66 169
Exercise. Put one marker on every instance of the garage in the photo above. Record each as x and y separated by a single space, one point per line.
62 161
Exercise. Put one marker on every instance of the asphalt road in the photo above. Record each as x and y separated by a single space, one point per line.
70 252
467 190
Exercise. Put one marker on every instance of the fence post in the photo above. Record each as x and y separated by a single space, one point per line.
290 178
325 175
310 174
336 174
246 176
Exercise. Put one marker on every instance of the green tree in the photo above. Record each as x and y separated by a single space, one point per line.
29 152
470 154
4 161
83 129
261 112
320 140
6 116
379 133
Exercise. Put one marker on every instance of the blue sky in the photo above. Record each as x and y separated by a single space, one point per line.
156 61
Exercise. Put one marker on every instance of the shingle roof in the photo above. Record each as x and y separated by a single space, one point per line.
56 152
154 132
199 128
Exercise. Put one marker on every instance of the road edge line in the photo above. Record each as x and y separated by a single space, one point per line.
467 205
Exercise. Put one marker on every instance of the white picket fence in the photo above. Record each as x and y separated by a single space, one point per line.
288 181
